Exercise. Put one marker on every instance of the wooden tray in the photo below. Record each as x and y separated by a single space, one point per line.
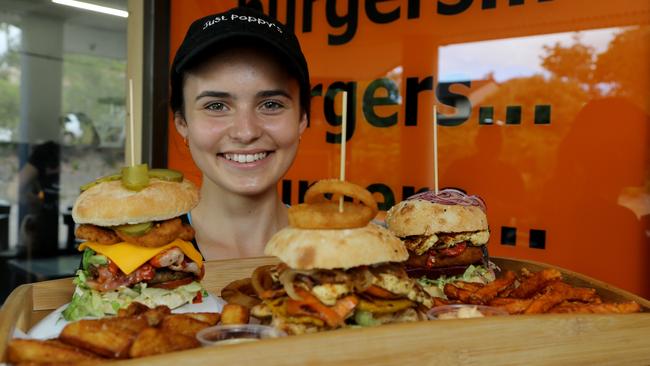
512 340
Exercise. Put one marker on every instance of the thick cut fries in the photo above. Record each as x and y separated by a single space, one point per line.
153 341
49 351
182 324
234 314
137 331
110 337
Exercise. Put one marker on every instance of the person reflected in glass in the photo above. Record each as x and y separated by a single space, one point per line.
240 98
38 194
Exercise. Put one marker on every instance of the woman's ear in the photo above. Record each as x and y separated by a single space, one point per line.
181 124
303 123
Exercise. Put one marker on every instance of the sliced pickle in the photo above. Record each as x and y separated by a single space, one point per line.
106 178
170 175
135 178
135 229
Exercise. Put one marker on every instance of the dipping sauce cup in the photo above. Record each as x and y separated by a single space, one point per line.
219 335
463 311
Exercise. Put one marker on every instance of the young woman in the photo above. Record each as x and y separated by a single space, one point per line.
240 97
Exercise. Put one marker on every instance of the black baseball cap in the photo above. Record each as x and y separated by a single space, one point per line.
238 26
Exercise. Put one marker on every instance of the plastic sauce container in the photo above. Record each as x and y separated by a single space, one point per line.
463 311
221 335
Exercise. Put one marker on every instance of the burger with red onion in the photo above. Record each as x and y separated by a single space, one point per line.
446 234
135 245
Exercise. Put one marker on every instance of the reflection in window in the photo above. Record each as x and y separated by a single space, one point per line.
62 112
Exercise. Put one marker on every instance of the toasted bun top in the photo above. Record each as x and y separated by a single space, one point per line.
110 203
335 248
419 217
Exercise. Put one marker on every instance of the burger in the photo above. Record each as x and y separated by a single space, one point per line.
330 278
135 245
446 235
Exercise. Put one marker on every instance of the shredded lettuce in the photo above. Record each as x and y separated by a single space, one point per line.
87 302
89 257
365 319
481 274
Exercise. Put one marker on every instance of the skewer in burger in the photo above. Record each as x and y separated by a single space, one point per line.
337 269
136 247
446 234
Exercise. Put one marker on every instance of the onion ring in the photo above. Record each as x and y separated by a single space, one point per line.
316 193
261 279
326 215
321 207
239 292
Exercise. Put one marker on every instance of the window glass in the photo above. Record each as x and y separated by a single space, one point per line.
62 108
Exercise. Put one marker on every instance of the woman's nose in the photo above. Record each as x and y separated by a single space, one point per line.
246 128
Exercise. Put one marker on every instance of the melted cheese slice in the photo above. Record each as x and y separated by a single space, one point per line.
129 257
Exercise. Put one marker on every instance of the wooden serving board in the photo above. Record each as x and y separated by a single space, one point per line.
553 339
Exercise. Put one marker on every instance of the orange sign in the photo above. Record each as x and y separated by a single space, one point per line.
543 111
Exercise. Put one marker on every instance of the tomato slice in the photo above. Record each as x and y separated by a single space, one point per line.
453 251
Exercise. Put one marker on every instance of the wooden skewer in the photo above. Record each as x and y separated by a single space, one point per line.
344 116
435 148
131 123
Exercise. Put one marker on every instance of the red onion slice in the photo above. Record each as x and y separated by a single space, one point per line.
450 196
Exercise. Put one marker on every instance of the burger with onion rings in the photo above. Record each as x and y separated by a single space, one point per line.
135 245
333 275
446 234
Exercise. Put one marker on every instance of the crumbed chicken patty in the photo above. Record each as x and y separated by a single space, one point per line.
162 233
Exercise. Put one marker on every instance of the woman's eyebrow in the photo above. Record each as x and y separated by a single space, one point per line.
213 94
273 93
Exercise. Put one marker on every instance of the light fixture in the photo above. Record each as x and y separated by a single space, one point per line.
93 7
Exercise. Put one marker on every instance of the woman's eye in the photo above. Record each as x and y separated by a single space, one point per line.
271 105
219 107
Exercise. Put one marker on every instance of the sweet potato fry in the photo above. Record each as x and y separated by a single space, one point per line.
234 314
583 294
602 308
512 306
492 289
109 337
535 283
546 301
182 324
153 341
46 351
469 286
210 318
456 293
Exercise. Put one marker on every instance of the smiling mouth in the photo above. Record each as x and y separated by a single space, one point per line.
245 158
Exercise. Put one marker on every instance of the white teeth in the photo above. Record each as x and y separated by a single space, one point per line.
245 158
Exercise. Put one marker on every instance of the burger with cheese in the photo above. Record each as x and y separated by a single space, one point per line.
446 234
136 247
334 277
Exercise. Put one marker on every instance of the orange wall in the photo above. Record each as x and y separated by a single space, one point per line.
572 169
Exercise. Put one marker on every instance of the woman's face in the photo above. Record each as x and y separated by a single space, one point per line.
242 120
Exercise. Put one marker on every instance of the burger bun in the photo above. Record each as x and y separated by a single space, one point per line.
420 217
307 249
110 203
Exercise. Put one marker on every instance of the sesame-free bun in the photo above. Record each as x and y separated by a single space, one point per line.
335 248
419 217
110 203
